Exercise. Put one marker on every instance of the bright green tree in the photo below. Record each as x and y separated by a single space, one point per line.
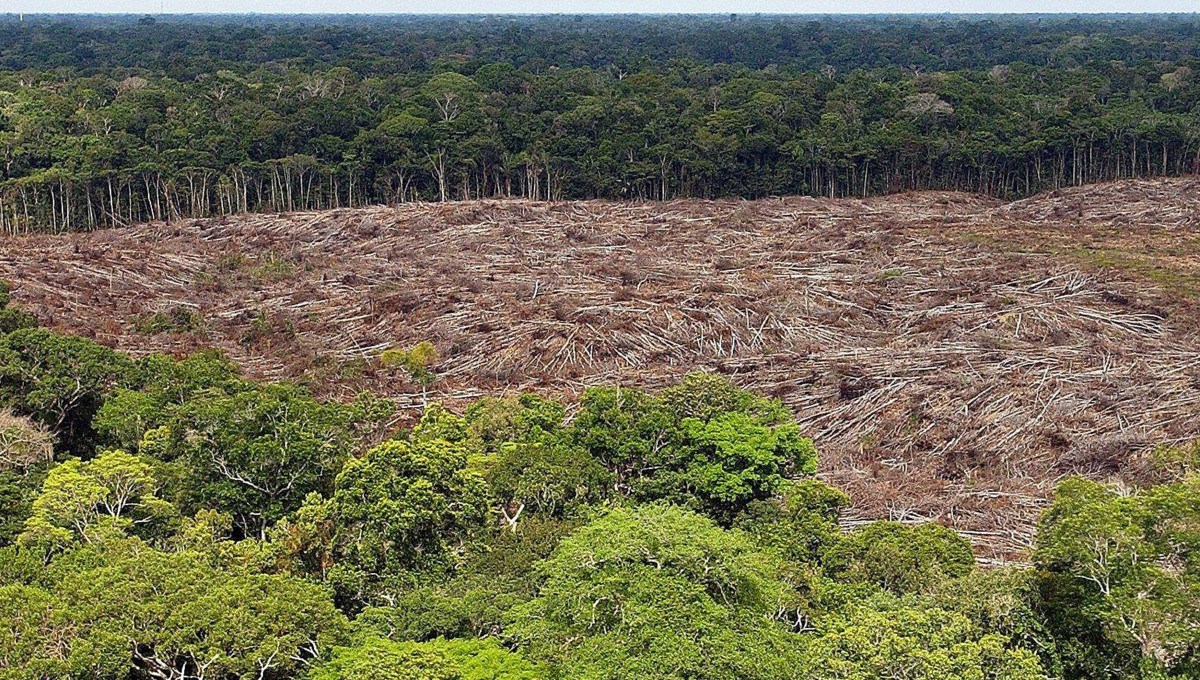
864 643
124 608
255 454
1122 573
439 659
417 361
86 500
657 592
900 558
405 507
703 443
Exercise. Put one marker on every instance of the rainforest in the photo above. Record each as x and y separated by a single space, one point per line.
624 347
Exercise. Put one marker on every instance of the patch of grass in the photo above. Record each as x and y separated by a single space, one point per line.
273 268
1179 461
1186 284
353 368
978 239
231 262
265 269
178 319
1139 265
265 328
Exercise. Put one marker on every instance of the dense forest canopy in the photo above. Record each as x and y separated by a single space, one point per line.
184 47
168 518
110 120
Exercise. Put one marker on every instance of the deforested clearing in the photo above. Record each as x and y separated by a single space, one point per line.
953 356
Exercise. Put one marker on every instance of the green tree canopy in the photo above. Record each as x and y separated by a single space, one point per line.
406 506
703 443
922 644
124 609
656 592
1125 567
85 501
378 659
257 453
60 381
900 558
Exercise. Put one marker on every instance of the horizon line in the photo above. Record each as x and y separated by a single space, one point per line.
960 13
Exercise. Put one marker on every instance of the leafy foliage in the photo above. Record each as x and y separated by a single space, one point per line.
107 131
60 381
703 443
801 524
378 659
256 453
924 644
125 606
900 558
1126 569
548 479
12 318
17 493
417 361
524 418
404 506
655 592
163 383
88 500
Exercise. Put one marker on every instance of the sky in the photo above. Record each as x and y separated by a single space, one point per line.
591 6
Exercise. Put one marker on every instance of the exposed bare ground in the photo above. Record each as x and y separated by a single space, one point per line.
953 356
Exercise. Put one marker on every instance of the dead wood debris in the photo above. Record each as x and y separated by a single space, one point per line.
945 371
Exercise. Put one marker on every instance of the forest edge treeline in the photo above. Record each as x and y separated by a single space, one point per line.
105 142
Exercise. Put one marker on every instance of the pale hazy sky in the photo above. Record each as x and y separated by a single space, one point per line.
590 6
